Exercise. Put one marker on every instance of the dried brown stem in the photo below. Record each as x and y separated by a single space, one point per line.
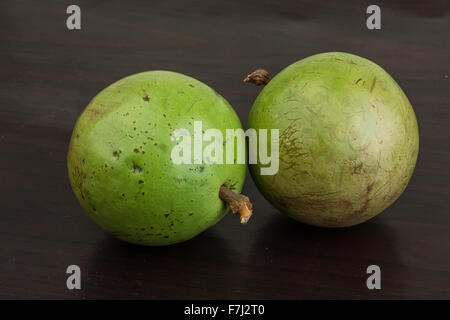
238 203
258 77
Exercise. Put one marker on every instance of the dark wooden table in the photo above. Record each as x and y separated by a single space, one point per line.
48 74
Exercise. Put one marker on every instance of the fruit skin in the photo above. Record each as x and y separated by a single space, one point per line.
348 139
119 159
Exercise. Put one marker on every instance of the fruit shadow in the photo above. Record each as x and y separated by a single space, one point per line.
298 261
200 268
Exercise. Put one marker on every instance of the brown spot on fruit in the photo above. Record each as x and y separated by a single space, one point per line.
136 169
357 168
373 84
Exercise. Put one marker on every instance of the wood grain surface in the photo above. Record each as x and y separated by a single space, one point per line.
48 74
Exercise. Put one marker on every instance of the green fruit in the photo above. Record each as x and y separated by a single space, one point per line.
348 139
120 166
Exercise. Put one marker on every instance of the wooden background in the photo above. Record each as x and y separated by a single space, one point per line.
48 74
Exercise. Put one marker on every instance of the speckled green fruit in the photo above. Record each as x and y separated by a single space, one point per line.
348 139
120 166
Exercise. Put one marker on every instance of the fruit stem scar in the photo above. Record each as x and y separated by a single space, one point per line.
238 203
258 77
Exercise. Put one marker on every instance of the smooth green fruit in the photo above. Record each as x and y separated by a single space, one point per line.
348 139
120 166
